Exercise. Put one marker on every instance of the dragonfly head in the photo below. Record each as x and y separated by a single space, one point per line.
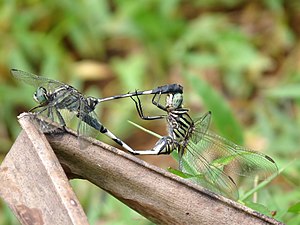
92 102
41 95
174 101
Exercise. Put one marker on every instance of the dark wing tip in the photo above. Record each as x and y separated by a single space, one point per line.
273 163
14 70
270 159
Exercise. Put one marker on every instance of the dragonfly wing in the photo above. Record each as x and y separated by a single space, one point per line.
82 133
234 158
200 127
206 174
36 81
84 129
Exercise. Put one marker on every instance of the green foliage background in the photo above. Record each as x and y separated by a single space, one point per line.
239 59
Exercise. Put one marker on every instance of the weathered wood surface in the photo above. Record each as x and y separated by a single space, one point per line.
34 185
156 194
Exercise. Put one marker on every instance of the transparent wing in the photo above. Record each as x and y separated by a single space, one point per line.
201 126
224 154
84 127
211 157
36 81
206 174
86 130
82 133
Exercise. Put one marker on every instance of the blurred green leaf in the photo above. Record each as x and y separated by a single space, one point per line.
222 116
264 183
180 173
130 71
287 91
259 207
223 161
295 208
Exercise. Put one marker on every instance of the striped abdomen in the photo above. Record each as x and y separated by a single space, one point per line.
180 125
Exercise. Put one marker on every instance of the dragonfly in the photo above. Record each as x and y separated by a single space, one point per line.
204 156
54 97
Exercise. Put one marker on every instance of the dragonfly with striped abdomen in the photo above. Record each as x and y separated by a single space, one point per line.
204 156
53 97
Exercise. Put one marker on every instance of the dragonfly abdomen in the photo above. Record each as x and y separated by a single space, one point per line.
180 125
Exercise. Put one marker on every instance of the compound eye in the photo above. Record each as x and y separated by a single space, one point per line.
177 100
40 95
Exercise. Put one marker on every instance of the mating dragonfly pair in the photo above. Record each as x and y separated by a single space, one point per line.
205 156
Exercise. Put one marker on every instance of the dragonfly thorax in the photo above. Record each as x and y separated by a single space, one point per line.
174 101
41 95
92 102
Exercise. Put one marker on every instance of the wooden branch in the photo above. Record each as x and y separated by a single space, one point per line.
156 194
34 184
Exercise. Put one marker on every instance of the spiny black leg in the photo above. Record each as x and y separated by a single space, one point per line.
156 103
139 108
44 109
36 107
61 120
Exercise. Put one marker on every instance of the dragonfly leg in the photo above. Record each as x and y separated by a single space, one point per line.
44 124
156 102
51 111
36 107
139 108
61 119
39 112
